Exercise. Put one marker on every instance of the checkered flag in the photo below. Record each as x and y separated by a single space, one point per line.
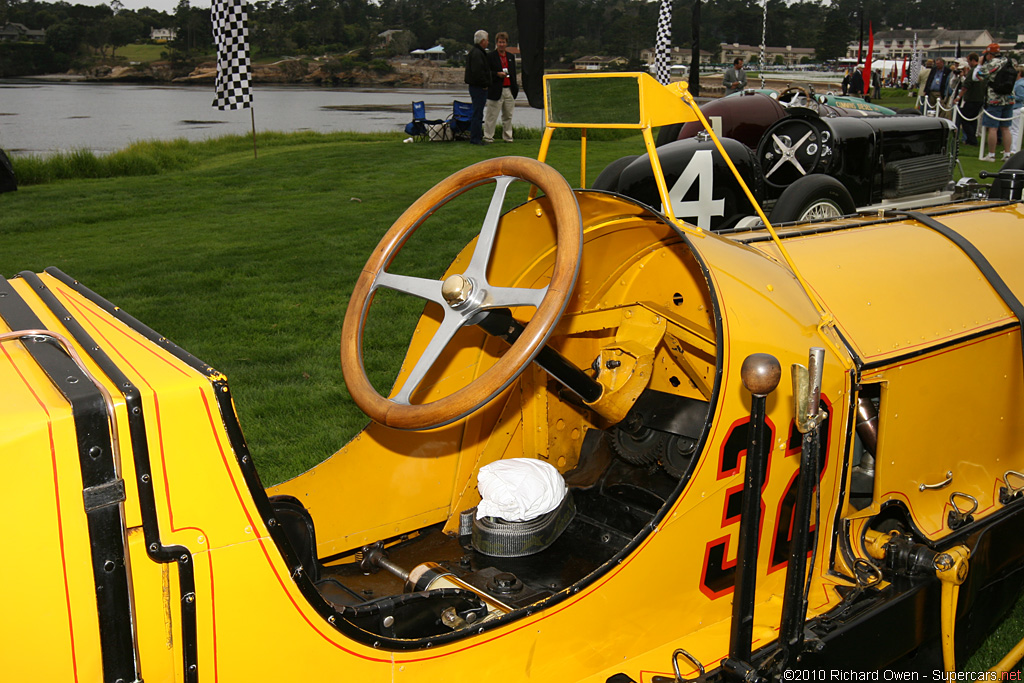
231 35
915 64
663 45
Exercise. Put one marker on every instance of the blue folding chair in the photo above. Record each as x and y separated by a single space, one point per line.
422 128
459 121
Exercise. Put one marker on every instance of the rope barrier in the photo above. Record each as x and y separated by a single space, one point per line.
925 107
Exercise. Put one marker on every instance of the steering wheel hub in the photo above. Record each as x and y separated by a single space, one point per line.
456 290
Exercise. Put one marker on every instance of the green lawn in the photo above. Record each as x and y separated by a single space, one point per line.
248 263
144 52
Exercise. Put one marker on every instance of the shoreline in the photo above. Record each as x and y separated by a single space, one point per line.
293 71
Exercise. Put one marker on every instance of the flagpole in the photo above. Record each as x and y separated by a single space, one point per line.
252 115
695 50
233 89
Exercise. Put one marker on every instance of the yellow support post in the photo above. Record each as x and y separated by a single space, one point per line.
951 568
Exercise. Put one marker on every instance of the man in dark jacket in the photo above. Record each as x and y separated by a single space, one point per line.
857 82
503 91
478 78
935 86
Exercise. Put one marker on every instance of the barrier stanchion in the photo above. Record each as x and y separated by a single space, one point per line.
983 139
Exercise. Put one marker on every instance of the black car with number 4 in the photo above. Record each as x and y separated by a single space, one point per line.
802 159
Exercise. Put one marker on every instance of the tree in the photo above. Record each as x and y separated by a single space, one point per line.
194 27
123 28
97 36
64 37
402 43
835 35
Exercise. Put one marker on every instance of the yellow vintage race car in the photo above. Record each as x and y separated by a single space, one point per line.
620 448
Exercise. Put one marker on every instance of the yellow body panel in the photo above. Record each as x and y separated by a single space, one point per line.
878 280
920 391
657 308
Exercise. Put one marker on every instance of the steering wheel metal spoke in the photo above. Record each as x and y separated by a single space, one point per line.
489 230
501 297
423 288
450 325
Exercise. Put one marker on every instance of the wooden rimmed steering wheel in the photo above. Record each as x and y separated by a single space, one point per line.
463 297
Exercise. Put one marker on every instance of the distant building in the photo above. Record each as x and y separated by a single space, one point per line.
435 53
163 35
598 63
932 43
751 54
15 33
384 38
678 55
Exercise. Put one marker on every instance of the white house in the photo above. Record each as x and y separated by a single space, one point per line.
162 35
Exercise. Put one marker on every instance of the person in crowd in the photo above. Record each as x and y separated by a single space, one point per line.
935 85
735 78
876 84
998 111
857 82
846 82
1018 111
501 96
970 99
478 78
954 83
922 77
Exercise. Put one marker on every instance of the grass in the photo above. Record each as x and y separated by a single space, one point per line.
248 263
142 52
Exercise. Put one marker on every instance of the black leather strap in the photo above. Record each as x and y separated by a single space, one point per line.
979 260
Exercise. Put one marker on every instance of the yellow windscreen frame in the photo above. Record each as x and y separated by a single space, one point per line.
643 102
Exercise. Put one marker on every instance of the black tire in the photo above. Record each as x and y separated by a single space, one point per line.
667 134
608 179
813 197
1001 188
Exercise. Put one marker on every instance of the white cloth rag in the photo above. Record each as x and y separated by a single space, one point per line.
519 489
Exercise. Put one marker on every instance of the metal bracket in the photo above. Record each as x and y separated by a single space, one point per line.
693 660
104 495
957 517
1009 493
807 391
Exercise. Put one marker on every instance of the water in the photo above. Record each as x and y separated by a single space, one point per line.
44 118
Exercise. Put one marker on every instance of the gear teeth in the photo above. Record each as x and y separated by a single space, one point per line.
644 449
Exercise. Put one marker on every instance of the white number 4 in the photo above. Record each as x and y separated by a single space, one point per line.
701 168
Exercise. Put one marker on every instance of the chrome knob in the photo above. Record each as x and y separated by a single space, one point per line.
456 290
